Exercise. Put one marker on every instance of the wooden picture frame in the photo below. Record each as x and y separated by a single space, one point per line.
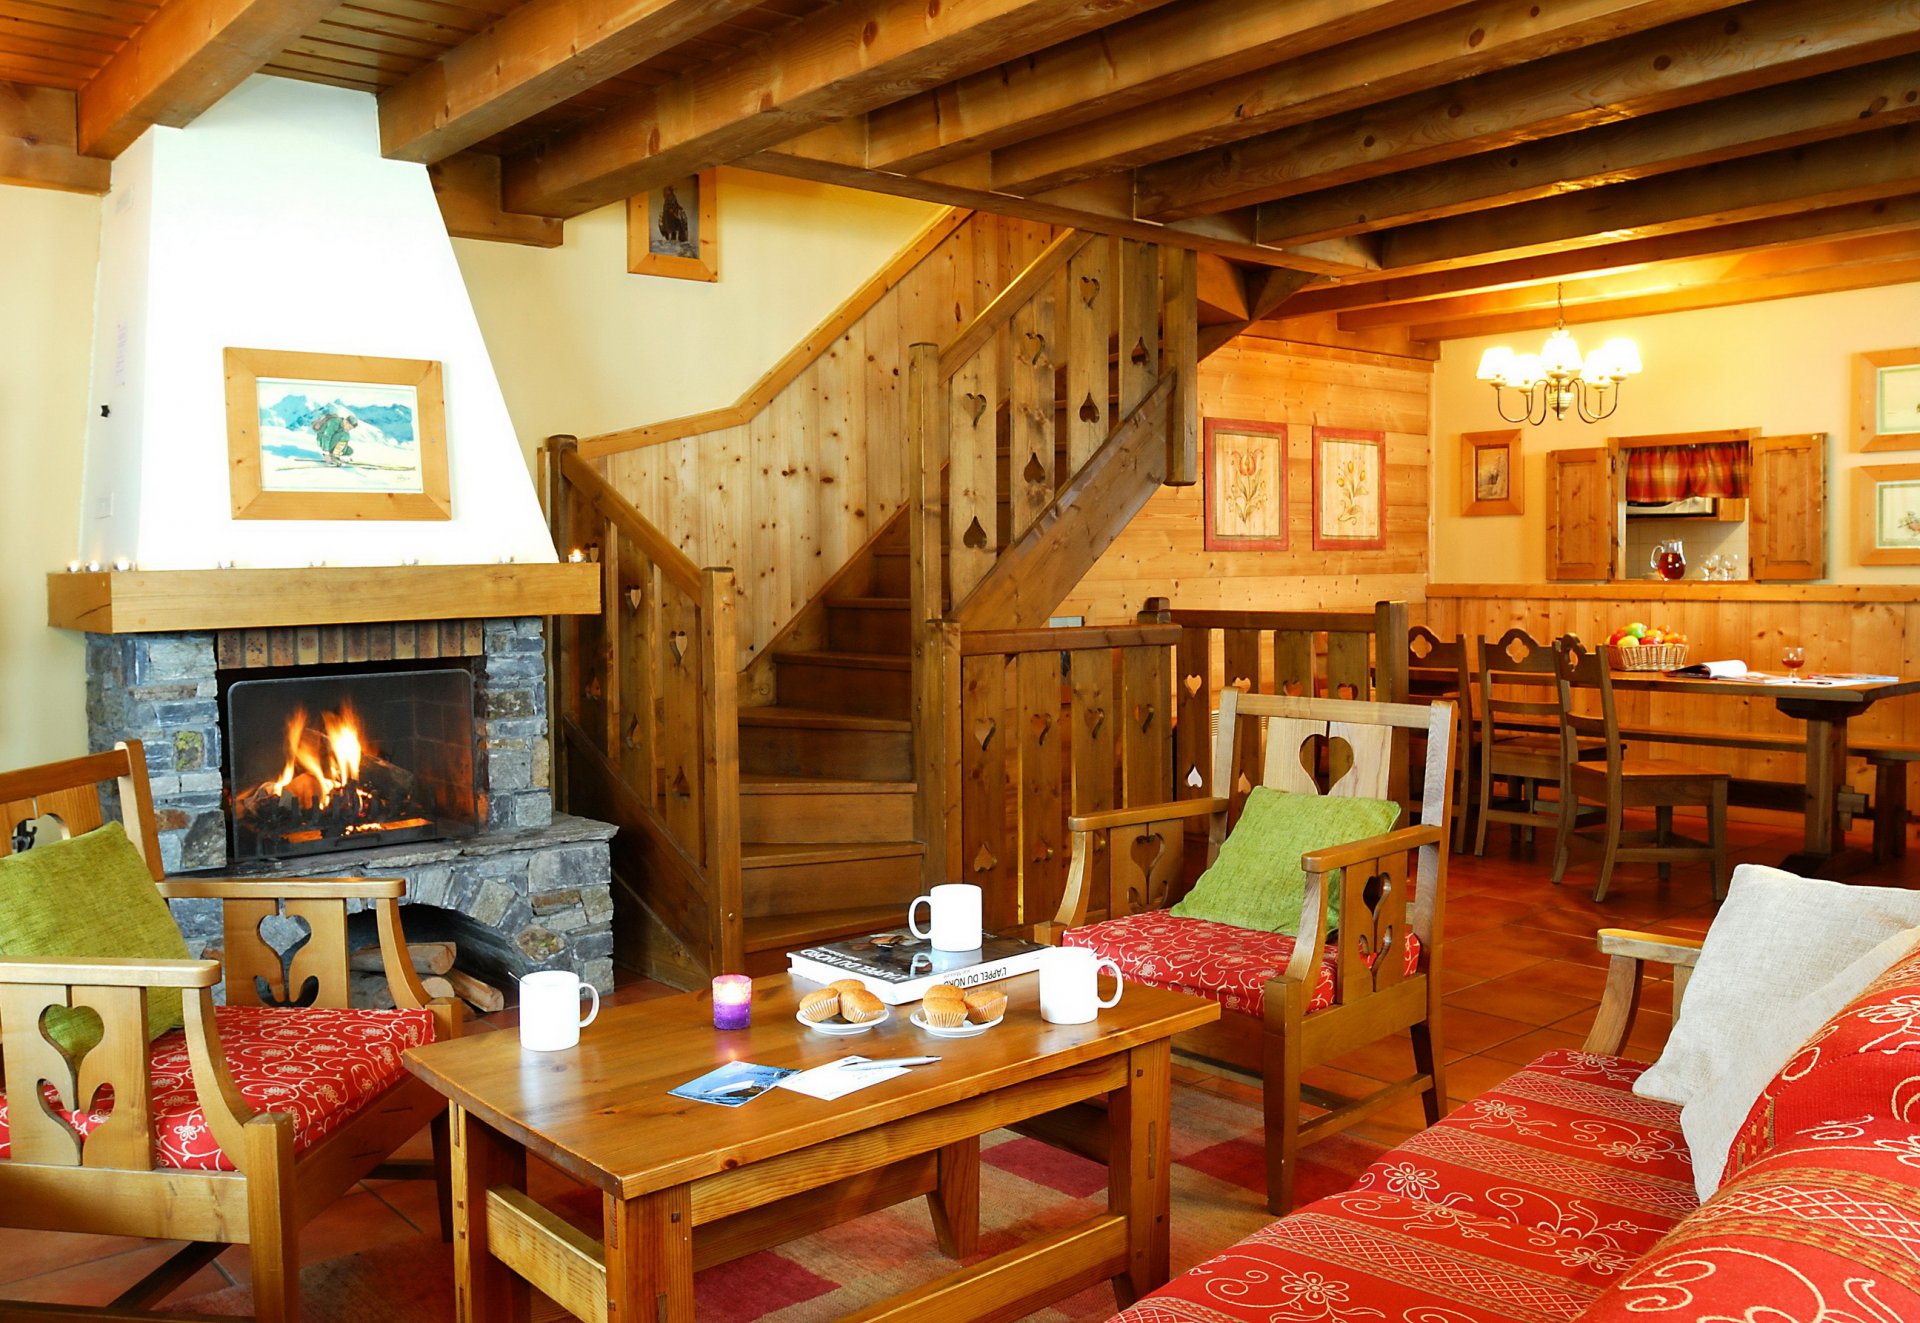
1886 400
1886 514
668 235
335 436
1349 489
1491 480
1246 485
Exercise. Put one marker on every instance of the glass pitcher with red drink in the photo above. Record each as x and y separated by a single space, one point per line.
1670 559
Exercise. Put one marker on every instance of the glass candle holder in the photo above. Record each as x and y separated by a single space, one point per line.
732 1001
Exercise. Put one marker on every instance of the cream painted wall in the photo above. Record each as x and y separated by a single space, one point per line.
1783 366
46 329
583 347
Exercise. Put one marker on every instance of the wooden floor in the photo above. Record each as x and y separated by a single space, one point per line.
1520 970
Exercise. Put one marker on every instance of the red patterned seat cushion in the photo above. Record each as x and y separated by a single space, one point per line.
1563 1146
1206 959
1375 1256
317 1066
1826 1235
1862 1065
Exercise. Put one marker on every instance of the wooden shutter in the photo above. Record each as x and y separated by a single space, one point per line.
1787 502
1580 514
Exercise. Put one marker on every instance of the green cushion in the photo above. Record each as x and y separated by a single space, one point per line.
89 897
1257 882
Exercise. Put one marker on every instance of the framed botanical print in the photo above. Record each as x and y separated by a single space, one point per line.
335 436
671 229
1886 400
1886 514
1490 473
1349 489
1246 480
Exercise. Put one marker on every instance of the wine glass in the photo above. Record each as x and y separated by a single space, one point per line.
1793 657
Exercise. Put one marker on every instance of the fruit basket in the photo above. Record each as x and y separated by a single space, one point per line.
1648 657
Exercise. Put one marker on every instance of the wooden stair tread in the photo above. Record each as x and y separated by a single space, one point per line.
783 854
817 718
768 783
872 661
790 931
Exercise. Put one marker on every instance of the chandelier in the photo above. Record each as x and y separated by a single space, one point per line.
1557 379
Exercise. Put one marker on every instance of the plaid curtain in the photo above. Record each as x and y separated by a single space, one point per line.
1658 474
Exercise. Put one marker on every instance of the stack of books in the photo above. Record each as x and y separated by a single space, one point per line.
898 967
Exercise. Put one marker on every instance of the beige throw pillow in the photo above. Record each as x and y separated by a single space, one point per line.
1714 1115
1777 939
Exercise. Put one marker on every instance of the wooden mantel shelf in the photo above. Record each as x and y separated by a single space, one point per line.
166 601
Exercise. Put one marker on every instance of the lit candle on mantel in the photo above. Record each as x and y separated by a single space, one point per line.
732 1001
576 555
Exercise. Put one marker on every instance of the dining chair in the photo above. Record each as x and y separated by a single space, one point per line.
1618 782
1441 669
1519 737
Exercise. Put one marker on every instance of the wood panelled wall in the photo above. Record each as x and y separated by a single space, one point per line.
1866 628
788 497
1163 551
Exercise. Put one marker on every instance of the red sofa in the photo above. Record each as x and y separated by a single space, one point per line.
1561 1195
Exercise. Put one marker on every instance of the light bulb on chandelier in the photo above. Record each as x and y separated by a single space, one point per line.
1557 378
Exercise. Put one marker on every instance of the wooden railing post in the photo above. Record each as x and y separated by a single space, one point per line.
563 632
927 444
1180 325
720 741
1390 684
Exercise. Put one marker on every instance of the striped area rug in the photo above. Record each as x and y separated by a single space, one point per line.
1026 1190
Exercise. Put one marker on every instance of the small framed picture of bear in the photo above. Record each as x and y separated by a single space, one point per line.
671 229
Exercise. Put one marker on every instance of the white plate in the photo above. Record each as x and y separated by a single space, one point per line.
968 1030
840 1028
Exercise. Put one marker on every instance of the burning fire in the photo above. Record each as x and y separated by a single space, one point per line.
331 765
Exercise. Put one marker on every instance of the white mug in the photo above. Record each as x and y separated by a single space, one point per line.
550 1019
1070 985
954 917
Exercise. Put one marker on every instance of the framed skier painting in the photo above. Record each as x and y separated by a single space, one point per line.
335 436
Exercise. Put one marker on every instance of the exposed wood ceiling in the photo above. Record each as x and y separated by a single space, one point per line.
1435 165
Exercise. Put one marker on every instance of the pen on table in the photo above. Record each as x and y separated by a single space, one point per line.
889 1061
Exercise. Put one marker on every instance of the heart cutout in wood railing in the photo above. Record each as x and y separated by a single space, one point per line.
677 645
678 787
1242 683
984 729
633 733
976 405
1035 472
1042 725
984 861
634 598
42 830
1346 691
80 1027
1089 290
1138 354
1292 689
1089 411
1194 779
1192 684
1096 718
1142 716
975 536
1036 351
1242 786
1042 849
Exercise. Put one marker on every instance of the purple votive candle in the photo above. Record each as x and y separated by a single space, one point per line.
732 1001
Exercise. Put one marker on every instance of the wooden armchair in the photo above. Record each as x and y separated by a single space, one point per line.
182 1153
1628 955
1289 1005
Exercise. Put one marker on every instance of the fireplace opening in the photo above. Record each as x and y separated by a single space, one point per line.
318 763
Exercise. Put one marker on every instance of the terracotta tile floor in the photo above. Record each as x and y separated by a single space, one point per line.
1520 969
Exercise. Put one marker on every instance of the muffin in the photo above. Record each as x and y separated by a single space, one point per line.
942 992
861 1006
820 1005
942 1013
984 1005
845 985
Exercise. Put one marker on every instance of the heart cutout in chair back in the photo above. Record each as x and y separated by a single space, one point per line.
73 1031
45 829
1319 753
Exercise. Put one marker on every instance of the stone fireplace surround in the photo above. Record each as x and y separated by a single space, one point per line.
531 891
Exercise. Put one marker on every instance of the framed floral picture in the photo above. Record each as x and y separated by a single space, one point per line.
1246 477
1886 400
1886 514
1349 489
1490 473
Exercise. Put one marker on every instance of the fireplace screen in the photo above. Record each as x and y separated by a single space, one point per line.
347 761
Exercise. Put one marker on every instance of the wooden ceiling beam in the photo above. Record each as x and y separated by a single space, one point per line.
1715 55
1207 235
1164 53
842 61
467 187
1578 296
1811 110
1881 216
1881 164
37 142
182 60
1460 43
530 59
1714 294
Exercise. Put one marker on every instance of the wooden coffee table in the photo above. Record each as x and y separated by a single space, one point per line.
689 1184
